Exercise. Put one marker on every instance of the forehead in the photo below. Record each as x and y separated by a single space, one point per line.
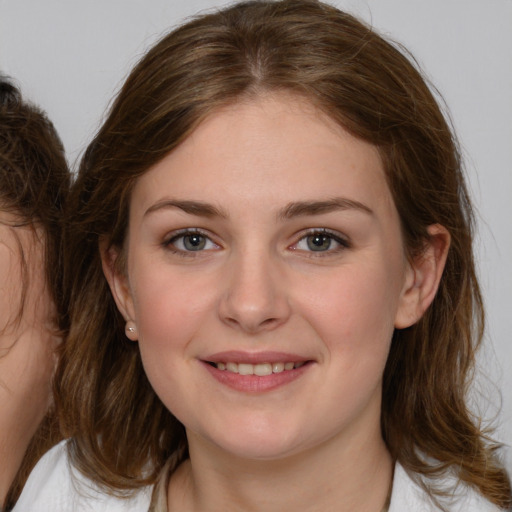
17 233
277 147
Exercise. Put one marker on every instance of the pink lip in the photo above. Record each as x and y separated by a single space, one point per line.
252 383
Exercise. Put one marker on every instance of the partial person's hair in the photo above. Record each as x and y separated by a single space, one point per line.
122 433
34 182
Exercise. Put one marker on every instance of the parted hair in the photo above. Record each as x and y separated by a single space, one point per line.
122 434
34 182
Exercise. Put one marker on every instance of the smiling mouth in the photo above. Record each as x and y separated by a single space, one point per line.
260 369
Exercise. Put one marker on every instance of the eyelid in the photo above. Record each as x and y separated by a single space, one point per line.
338 237
341 239
179 233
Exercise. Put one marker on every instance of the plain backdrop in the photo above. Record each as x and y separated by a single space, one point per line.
70 57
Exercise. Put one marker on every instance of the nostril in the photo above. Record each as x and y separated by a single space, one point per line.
252 325
231 321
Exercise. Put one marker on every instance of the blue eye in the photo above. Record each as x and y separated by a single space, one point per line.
190 241
321 241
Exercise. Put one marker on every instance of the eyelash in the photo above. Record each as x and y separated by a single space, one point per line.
342 242
182 234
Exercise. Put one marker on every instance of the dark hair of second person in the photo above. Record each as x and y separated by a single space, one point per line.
34 182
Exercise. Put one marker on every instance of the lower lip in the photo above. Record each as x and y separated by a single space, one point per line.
255 383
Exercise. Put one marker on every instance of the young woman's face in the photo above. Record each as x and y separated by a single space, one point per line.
265 275
27 331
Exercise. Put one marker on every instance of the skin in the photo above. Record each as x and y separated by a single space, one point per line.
260 285
26 344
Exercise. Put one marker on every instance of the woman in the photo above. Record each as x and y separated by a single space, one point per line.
273 297
33 184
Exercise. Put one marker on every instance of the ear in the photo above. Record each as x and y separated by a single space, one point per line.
423 277
119 286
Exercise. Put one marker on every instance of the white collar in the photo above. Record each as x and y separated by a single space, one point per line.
409 496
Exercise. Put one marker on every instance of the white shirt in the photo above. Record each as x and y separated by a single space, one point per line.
54 486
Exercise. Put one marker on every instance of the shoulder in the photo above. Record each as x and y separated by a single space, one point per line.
408 495
55 486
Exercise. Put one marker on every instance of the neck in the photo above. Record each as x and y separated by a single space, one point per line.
333 476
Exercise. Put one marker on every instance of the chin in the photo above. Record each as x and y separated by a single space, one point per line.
263 442
261 450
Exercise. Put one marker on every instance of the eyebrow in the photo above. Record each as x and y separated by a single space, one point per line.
305 208
198 208
291 210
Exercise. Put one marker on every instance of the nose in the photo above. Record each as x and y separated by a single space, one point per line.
254 298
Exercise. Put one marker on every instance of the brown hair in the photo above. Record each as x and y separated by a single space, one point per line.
34 181
122 432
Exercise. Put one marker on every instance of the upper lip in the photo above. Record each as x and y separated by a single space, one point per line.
236 356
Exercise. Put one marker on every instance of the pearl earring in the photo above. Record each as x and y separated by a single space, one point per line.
131 330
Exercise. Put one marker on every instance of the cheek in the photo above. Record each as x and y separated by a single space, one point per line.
169 307
169 311
10 288
354 311
27 347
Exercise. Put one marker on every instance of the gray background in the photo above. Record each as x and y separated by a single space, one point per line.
70 57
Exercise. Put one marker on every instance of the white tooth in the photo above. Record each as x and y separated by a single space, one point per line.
298 365
289 366
245 369
278 367
221 366
232 367
263 369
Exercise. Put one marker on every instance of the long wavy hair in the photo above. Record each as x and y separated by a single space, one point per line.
34 182
122 433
